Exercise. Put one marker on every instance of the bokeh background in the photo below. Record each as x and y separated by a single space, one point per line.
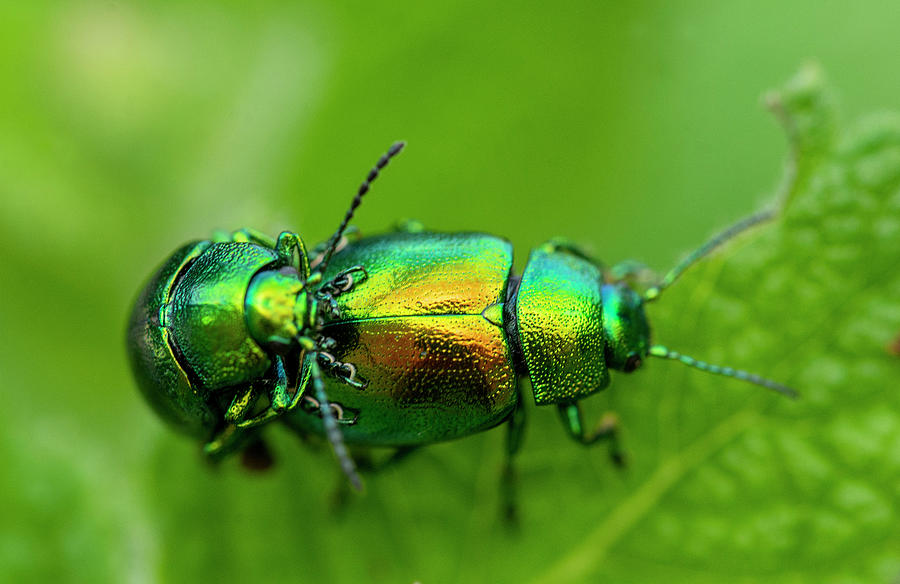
635 129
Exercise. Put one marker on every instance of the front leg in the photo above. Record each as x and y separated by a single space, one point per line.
283 397
343 282
292 252
242 404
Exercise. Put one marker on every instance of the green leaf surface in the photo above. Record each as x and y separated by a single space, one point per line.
118 141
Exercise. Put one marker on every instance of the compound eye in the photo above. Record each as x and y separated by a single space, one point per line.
632 363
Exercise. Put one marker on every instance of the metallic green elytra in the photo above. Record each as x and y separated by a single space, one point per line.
402 339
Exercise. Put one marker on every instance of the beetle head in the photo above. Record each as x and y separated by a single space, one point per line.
626 327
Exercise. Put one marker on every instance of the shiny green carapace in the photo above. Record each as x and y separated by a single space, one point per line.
401 340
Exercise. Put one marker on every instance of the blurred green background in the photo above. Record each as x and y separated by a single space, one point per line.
633 128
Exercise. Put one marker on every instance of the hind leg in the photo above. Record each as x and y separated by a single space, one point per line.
515 431
606 431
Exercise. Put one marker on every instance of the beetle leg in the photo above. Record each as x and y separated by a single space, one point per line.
242 404
333 307
326 358
224 442
343 282
350 235
303 382
515 430
244 235
292 252
231 438
262 418
326 343
342 415
608 430
564 245
346 372
632 272
409 226
367 465
280 397
398 455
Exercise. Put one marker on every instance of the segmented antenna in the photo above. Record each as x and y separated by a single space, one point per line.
661 351
363 189
653 293
332 432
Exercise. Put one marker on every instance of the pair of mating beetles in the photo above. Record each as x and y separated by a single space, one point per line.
402 339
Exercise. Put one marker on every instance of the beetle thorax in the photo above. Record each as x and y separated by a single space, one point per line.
276 307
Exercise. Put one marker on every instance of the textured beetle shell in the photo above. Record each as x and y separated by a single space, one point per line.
560 320
206 315
436 368
160 378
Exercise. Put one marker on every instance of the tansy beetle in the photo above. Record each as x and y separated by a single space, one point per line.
402 339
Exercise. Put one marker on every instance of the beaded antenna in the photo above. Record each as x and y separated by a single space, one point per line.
672 275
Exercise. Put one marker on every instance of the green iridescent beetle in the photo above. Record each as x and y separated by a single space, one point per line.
401 340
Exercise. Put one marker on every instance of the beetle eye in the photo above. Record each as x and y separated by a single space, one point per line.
631 363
